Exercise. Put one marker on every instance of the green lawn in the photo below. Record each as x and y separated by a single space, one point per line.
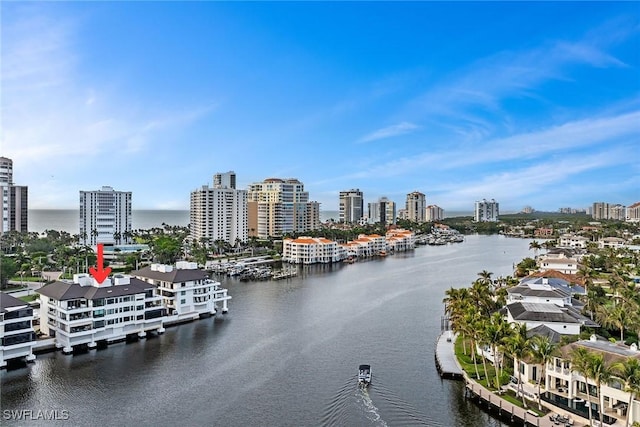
467 365
29 298
27 279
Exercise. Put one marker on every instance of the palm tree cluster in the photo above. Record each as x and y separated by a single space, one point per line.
473 314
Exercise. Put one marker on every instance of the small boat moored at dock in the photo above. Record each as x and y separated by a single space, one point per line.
364 375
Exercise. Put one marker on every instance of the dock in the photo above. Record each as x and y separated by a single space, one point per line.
446 358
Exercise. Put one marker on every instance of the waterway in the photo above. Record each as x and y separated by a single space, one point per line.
286 354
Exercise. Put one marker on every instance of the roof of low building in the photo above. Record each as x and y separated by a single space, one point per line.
174 276
545 331
612 352
537 290
64 291
8 301
547 312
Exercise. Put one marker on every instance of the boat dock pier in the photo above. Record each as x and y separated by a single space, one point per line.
489 401
446 358
505 410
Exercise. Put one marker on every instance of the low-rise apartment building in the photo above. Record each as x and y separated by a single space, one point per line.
186 292
84 312
312 250
16 330
400 240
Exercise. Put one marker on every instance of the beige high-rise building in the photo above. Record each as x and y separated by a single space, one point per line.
434 213
415 206
278 206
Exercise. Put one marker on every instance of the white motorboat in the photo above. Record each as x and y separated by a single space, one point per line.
364 375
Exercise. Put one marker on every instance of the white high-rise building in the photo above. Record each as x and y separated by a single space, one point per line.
219 212
224 180
415 206
279 206
105 216
351 206
486 211
14 200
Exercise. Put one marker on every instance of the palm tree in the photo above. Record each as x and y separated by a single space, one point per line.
629 372
481 295
601 372
616 316
496 330
580 363
485 277
542 351
536 246
518 346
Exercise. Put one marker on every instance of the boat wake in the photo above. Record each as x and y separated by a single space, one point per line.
371 412
349 405
399 411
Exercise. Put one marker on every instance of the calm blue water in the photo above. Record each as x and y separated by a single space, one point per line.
286 354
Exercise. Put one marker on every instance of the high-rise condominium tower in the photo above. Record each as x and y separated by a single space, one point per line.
383 211
105 216
14 200
278 206
351 206
415 206
486 211
219 212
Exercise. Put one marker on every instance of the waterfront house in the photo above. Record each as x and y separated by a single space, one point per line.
312 250
612 242
570 283
368 245
559 261
566 388
16 330
565 320
400 240
84 312
186 292
573 241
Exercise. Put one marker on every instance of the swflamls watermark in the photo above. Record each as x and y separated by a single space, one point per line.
35 414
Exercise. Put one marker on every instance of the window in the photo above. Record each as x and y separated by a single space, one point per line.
98 313
183 301
140 307
183 293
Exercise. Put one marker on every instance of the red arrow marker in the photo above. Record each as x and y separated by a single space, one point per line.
100 273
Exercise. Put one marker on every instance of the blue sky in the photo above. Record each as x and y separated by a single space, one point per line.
528 103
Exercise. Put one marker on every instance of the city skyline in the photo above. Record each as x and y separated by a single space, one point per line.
460 101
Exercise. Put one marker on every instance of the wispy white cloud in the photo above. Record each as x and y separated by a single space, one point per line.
551 177
541 143
57 121
476 94
390 131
